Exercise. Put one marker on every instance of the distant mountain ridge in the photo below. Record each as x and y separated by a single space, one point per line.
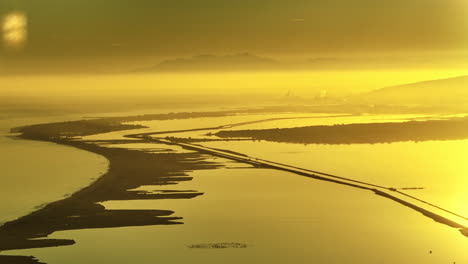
209 62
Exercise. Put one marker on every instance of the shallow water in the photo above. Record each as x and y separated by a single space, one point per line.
35 173
282 218
437 166
288 120
286 218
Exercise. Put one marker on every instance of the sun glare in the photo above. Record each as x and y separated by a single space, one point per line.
14 28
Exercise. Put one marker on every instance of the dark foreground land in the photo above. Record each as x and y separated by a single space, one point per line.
129 169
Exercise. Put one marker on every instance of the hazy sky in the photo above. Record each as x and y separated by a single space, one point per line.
131 28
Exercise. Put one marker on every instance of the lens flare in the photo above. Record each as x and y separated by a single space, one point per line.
14 28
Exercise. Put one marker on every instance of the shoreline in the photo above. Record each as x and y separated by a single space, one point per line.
29 167
365 133
82 210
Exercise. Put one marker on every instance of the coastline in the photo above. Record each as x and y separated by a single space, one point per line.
28 167
82 210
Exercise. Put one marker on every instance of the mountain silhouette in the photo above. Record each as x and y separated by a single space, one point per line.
232 62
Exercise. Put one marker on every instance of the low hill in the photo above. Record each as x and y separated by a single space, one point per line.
453 91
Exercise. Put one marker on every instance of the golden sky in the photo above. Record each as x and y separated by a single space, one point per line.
66 30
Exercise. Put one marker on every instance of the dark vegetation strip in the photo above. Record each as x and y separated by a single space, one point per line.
453 129
19 260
